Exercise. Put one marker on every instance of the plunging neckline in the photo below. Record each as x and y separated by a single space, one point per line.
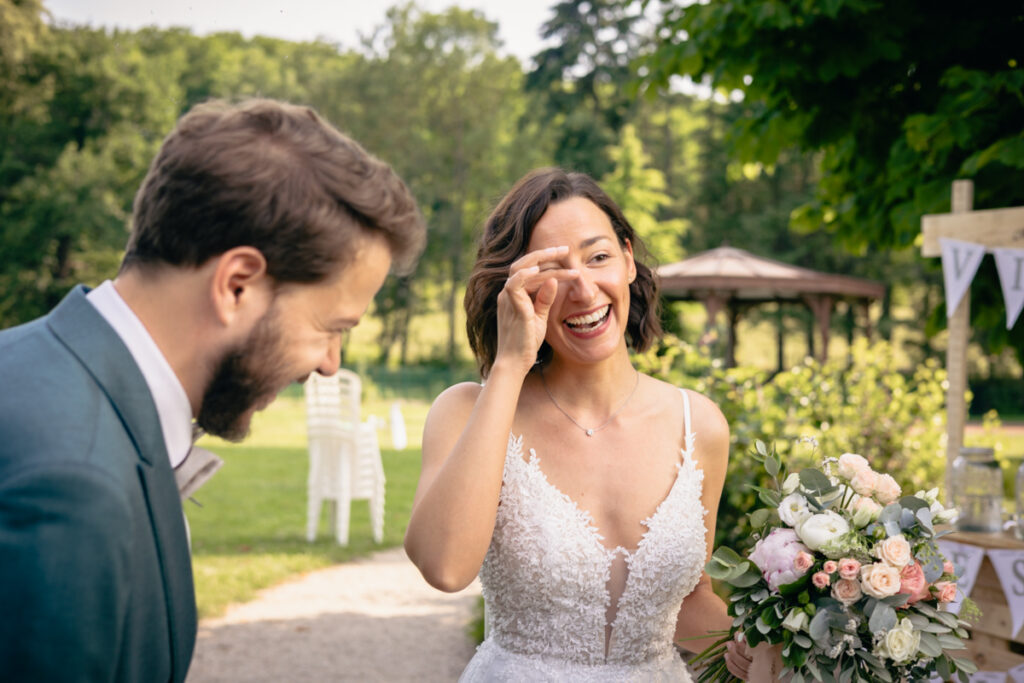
588 517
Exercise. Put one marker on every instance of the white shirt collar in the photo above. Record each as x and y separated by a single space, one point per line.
172 404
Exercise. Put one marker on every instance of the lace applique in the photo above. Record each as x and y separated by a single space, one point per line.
545 582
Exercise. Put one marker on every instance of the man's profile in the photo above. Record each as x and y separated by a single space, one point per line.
259 236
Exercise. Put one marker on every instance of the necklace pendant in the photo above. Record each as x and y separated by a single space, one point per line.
590 432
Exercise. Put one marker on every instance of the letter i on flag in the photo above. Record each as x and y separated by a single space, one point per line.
1010 264
960 261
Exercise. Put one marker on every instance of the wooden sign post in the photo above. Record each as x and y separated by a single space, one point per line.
990 228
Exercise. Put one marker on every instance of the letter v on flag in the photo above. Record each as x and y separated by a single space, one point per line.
1010 264
960 261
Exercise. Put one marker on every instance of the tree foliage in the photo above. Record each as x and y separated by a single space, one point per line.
900 98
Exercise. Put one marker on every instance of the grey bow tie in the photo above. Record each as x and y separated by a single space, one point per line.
197 467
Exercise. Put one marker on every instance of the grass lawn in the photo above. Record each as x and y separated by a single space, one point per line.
250 531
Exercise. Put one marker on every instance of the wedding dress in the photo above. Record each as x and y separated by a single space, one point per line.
547 577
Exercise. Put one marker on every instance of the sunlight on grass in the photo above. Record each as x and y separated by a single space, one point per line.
250 531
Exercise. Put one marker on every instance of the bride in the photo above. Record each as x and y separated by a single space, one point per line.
582 492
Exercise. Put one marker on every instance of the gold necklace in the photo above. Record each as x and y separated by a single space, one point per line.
590 431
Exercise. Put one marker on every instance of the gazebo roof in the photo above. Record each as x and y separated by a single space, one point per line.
738 274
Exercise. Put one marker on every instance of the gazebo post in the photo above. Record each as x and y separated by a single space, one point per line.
821 307
780 336
733 314
713 303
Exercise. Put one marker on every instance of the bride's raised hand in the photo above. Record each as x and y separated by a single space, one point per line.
525 301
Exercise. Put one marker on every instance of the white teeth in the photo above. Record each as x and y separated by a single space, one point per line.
589 318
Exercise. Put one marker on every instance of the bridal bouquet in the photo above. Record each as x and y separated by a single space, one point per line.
846 577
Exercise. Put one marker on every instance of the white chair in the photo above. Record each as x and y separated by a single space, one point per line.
344 455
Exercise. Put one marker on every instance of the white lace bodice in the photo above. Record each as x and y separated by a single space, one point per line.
546 580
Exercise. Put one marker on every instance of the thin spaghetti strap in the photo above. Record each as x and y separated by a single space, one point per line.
686 414
687 431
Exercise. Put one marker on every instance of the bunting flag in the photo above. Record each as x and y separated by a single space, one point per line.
960 261
1009 566
967 560
1010 264
988 677
1016 674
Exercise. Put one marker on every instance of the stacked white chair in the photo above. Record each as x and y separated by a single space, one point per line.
344 455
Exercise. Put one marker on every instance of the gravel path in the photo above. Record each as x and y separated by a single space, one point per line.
370 620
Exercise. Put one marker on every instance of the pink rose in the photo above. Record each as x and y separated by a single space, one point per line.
830 566
864 481
913 583
851 463
894 551
947 590
803 561
948 567
849 568
821 579
846 591
886 489
880 580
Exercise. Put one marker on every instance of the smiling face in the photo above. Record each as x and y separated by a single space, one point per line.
589 317
300 334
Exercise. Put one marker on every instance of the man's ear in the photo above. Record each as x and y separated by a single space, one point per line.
240 288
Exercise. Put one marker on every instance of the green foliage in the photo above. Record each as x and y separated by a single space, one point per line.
864 404
900 99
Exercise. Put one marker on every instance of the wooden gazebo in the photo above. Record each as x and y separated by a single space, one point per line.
732 280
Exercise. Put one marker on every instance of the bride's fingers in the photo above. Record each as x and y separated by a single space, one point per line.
538 257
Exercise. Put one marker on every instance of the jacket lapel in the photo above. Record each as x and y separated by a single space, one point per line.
89 337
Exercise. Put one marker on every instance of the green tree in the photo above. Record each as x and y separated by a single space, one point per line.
581 77
899 98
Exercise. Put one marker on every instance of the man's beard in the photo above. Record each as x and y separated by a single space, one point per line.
243 377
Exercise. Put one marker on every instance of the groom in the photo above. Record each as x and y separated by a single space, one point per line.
259 236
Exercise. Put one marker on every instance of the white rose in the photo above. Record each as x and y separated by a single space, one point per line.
865 511
819 529
947 516
796 621
791 484
793 509
900 642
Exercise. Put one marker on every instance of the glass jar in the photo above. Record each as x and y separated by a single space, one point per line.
977 484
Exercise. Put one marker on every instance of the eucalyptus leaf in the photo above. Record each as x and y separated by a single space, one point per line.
803 641
950 642
814 480
913 503
883 618
924 515
966 666
759 517
929 646
890 513
819 627
761 449
942 668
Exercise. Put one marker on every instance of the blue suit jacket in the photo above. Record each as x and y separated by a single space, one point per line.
95 571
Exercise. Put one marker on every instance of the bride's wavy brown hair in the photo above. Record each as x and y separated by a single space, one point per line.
506 235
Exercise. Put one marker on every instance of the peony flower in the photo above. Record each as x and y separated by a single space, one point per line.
913 583
830 567
796 621
849 568
775 554
847 591
948 567
803 561
894 551
880 580
886 489
850 464
791 484
946 590
793 509
821 579
864 481
819 529
900 642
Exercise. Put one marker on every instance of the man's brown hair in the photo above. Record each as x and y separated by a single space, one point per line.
273 176
506 237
